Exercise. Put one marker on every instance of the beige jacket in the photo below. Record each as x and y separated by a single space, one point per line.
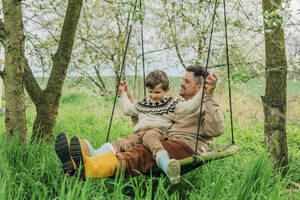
212 125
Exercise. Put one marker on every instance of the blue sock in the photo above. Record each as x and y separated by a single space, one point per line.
107 147
163 160
170 167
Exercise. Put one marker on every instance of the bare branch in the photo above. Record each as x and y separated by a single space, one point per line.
87 76
35 48
30 19
31 85
174 38
96 47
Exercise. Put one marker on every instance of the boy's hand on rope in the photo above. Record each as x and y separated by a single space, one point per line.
123 87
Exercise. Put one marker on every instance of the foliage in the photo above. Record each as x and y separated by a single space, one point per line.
32 171
178 30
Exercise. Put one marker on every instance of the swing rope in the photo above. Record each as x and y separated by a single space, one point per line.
228 77
143 58
204 81
121 71
228 74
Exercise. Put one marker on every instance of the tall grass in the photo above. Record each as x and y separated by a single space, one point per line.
33 171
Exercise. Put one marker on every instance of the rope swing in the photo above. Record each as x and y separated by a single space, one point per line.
205 76
121 71
215 151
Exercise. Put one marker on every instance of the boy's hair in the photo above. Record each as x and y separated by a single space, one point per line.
157 77
198 72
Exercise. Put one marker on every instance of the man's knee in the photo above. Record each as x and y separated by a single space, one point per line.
121 144
177 149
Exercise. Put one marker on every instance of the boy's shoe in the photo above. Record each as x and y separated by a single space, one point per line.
77 154
174 171
170 167
62 149
104 165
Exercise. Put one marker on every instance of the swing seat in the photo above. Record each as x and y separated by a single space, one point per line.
214 152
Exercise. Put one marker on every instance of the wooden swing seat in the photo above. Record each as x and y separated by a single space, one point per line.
214 152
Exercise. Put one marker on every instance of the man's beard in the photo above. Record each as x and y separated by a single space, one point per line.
182 92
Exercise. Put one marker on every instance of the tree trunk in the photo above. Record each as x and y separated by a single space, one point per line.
12 38
47 101
44 123
274 101
1 109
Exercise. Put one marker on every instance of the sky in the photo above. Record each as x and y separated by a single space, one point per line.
163 60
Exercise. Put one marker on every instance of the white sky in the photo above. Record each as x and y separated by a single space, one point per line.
170 59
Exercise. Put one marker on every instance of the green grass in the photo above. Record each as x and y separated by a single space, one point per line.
33 171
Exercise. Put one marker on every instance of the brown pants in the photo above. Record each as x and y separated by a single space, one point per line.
139 158
150 137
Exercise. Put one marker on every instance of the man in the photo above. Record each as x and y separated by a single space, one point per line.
180 143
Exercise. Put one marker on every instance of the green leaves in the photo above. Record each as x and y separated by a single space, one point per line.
274 18
139 15
236 78
237 23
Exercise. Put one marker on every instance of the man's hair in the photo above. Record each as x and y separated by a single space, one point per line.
198 72
157 77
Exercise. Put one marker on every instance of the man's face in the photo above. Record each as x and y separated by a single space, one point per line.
188 86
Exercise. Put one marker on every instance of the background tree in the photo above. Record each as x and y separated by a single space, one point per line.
13 39
184 26
274 101
47 100
1 106
101 42
17 72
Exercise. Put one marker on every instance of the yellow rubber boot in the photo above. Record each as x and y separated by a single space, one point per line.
86 148
62 149
100 166
104 165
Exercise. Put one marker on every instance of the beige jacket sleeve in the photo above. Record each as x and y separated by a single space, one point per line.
189 107
127 107
213 118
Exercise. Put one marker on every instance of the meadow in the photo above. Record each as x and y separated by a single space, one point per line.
33 171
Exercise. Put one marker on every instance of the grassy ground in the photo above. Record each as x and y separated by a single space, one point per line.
34 171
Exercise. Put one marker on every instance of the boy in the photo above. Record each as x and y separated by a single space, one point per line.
155 116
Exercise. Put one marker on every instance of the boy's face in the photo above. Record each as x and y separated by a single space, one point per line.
157 93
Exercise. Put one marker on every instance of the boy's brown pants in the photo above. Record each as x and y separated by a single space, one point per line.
150 137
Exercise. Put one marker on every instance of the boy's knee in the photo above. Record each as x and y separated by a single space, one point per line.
147 137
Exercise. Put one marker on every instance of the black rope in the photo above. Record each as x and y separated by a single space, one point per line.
228 74
121 72
203 87
143 57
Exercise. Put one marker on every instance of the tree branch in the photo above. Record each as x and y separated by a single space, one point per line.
174 39
62 57
31 85
31 19
87 76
